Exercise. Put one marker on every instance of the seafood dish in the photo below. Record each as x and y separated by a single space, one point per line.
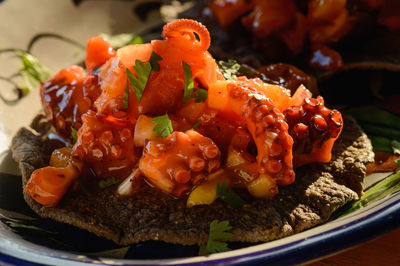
161 141
320 35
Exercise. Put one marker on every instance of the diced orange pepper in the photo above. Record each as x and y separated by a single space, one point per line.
98 51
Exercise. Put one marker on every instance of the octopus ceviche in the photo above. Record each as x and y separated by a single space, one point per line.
162 111
161 120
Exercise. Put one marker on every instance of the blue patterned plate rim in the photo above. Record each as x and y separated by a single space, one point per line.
363 225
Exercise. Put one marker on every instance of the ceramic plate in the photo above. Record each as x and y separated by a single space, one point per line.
55 32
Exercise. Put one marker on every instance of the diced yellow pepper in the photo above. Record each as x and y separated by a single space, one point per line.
263 187
206 193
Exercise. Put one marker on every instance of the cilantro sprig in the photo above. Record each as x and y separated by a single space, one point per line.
33 72
218 233
199 95
126 95
139 81
163 125
231 68
119 40
154 59
197 124
189 83
74 134
228 195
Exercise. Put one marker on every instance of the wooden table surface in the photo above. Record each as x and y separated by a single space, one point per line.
385 250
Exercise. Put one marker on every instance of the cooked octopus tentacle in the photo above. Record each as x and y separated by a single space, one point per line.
179 162
49 184
266 125
106 145
188 26
314 129
66 96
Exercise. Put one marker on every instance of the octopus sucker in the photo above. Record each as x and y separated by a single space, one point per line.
267 127
245 132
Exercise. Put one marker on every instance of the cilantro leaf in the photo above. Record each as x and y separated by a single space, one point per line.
143 71
32 71
120 40
163 125
74 134
189 84
228 195
197 124
139 83
200 95
108 182
126 96
137 40
218 232
245 70
231 68
154 58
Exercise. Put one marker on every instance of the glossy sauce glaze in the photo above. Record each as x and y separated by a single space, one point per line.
142 118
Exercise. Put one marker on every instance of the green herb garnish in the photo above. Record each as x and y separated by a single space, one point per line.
126 95
381 144
137 40
228 195
74 134
371 114
123 39
381 126
154 58
231 68
197 124
139 83
189 84
108 182
163 125
143 71
200 95
218 233
32 71
381 190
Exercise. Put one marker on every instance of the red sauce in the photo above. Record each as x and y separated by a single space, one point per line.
325 58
